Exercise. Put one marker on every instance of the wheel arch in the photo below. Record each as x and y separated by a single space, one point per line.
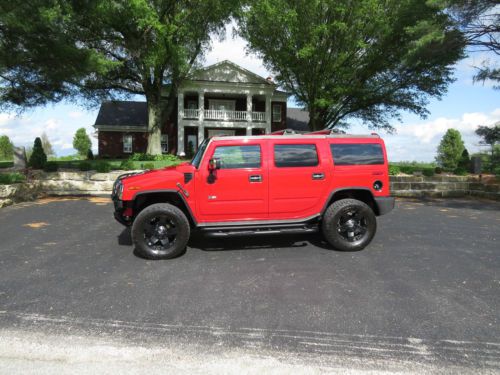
360 193
173 197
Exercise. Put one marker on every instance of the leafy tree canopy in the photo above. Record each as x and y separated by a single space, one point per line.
55 49
6 148
450 149
490 135
81 142
366 60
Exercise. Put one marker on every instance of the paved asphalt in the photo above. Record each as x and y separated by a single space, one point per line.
426 290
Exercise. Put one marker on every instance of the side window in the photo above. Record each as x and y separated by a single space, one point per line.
295 155
127 144
276 112
357 154
233 157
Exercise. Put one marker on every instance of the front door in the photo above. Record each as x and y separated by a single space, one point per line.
238 190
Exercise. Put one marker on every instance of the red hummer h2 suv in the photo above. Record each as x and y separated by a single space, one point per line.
335 183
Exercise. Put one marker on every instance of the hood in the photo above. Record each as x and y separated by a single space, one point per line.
157 179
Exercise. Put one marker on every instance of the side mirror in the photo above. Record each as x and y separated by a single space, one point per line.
214 164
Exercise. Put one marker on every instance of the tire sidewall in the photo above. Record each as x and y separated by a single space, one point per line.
174 214
331 217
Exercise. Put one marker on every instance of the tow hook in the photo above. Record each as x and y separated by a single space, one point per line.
184 191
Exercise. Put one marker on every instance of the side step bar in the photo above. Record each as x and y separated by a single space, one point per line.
249 231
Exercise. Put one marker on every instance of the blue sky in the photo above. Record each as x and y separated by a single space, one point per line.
464 107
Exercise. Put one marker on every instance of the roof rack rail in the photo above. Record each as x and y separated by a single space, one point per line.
287 132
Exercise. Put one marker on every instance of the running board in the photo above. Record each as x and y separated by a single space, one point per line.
249 231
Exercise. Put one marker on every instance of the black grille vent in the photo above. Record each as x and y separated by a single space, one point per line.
187 177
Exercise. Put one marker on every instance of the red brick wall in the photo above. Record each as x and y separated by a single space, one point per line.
110 144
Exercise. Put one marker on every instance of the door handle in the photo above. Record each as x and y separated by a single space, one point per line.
318 176
255 178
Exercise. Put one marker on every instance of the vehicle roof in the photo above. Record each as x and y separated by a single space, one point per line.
297 136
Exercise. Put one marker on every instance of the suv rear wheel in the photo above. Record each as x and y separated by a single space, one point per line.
349 225
160 231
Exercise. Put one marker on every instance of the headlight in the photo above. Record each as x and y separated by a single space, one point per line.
119 190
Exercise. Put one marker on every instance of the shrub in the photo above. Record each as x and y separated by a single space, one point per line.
166 157
38 158
438 170
394 170
428 172
148 166
85 166
460 171
103 167
127 165
90 155
11 178
51 166
142 157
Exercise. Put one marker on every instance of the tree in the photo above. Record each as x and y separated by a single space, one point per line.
366 59
37 158
82 142
490 135
47 146
464 162
55 49
450 149
6 148
479 20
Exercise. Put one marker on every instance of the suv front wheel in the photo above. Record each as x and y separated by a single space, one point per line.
349 225
160 231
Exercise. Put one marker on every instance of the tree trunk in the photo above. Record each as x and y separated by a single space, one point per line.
155 119
316 122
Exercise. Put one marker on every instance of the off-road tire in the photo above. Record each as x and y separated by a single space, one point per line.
175 216
332 219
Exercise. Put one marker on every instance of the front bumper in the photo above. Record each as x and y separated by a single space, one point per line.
384 204
120 214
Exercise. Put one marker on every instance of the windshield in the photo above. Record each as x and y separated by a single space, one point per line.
201 150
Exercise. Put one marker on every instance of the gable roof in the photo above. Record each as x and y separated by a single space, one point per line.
297 119
123 113
227 71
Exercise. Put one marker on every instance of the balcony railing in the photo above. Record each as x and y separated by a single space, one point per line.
191 113
222 115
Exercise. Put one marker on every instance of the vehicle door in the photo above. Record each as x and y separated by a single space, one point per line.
238 189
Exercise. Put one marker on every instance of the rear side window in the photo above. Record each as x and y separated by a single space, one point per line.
295 155
233 157
357 154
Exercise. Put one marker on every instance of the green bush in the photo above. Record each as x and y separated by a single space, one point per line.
11 178
460 171
90 155
127 165
6 164
51 166
102 167
148 166
38 158
85 166
438 170
142 157
428 172
394 170
166 157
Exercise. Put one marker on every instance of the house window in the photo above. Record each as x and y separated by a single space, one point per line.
192 104
127 144
276 112
222 105
164 143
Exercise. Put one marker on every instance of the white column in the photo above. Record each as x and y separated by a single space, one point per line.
268 113
201 116
249 108
249 130
180 123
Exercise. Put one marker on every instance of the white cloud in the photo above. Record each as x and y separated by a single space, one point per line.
419 141
75 114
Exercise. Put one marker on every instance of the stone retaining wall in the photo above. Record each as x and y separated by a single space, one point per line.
93 183
444 186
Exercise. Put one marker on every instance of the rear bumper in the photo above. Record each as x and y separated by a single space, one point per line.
384 204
